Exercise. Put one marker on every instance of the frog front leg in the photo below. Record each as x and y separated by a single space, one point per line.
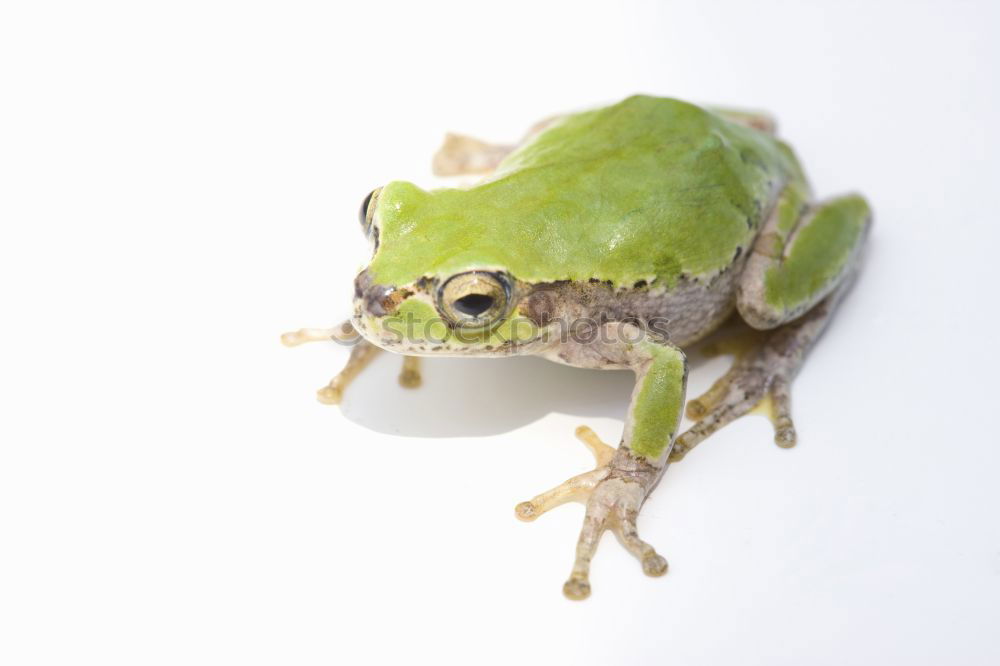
616 489
796 274
362 354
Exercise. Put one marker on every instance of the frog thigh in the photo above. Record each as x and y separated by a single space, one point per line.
462 155
802 254
753 119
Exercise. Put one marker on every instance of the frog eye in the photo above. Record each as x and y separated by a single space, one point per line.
367 210
475 299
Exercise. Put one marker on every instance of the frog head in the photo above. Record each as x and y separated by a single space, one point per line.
436 283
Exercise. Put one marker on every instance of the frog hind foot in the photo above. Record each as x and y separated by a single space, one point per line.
745 389
613 494
759 379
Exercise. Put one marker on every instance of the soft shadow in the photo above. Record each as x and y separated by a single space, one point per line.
478 397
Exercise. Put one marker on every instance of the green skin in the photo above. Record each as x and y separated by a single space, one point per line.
648 210
648 189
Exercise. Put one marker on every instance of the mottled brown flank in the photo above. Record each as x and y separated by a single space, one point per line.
541 306
693 307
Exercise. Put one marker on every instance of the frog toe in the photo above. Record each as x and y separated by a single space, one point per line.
653 564
576 588
759 381
743 391
573 489
614 505
330 394
780 413
409 376
785 437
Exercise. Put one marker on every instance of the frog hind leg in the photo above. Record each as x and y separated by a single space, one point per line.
802 254
757 120
789 289
461 155
759 379
362 354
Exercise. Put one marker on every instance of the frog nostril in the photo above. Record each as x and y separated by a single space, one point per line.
473 304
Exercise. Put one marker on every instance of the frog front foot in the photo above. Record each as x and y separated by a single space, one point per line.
613 493
362 354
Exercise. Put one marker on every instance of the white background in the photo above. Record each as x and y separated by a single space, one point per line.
179 184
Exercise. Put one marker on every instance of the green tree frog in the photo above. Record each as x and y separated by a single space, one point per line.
613 238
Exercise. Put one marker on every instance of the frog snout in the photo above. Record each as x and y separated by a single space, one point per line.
377 299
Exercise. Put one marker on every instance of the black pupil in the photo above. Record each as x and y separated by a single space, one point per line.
474 304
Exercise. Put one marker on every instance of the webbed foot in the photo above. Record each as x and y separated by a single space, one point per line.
613 493
758 381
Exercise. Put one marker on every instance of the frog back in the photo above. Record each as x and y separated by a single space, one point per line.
650 190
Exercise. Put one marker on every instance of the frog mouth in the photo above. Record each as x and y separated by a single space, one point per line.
453 342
